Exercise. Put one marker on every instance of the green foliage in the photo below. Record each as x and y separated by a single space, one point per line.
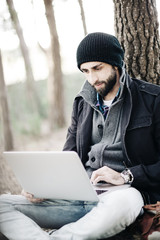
72 85
24 119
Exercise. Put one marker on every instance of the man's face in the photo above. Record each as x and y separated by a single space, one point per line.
101 76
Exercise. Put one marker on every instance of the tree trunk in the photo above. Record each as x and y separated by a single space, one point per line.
136 27
56 114
8 138
24 49
83 16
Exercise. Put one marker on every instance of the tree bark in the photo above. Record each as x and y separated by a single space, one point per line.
83 16
7 132
56 114
25 53
136 27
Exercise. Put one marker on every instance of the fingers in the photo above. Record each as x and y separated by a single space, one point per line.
108 175
36 200
99 175
98 179
30 197
26 194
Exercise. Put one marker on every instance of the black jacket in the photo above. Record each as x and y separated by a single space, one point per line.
140 134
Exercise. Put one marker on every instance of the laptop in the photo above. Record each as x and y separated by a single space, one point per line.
54 175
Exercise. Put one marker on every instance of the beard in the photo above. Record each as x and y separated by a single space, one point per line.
109 83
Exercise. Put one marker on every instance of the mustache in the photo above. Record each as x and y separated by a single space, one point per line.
98 82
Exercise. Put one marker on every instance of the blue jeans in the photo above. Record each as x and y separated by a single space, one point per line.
77 220
47 214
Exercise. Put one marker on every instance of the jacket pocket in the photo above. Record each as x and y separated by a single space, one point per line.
140 122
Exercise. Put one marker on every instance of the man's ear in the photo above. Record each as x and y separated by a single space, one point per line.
115 68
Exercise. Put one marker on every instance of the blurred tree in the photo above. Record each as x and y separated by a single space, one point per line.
136 27
83 16
7 132
24 49
56 112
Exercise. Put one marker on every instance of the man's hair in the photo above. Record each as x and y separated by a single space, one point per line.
100 47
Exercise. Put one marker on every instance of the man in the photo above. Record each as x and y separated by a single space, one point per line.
115 129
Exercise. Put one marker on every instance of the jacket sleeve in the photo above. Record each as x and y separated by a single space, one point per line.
147 177
70 144
71 139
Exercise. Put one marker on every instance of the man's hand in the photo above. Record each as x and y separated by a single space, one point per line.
108 175
30 197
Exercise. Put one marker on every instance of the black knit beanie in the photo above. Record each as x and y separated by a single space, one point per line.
100 47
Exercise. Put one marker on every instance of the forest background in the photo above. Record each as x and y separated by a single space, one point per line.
38 74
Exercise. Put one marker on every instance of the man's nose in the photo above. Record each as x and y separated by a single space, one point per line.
92 78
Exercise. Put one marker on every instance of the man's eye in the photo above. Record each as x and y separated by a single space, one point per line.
98 68
85 71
